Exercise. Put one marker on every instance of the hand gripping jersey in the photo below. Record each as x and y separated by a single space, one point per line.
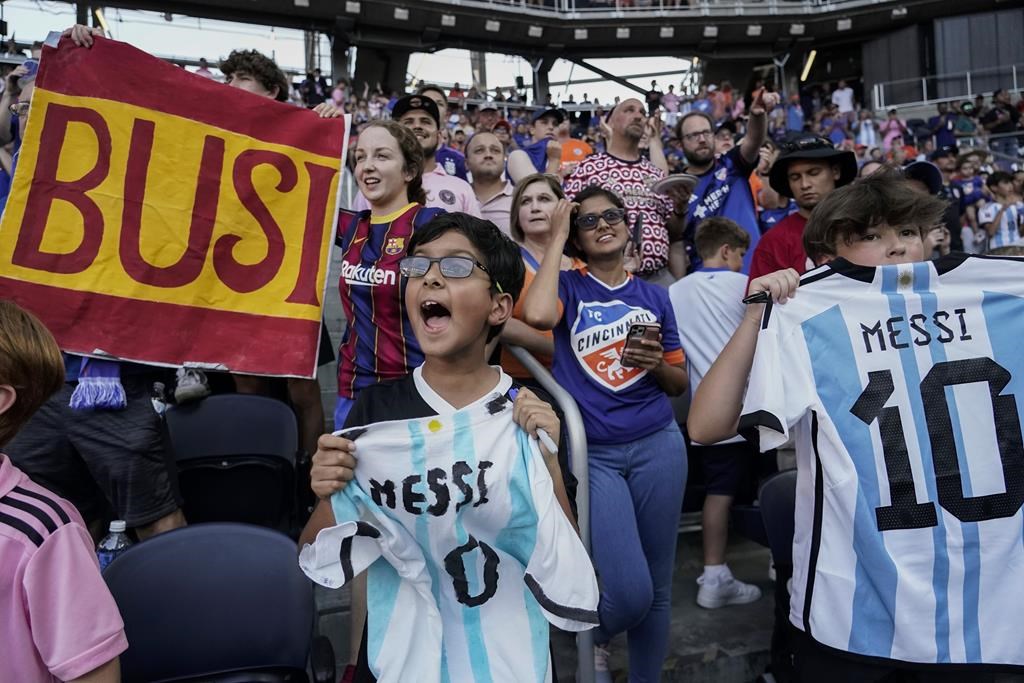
903 387
470 555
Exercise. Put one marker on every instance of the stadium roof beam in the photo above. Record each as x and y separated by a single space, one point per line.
610 76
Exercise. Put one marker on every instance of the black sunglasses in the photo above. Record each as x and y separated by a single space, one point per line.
451 266
589 221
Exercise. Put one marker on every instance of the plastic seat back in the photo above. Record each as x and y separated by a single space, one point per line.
214 602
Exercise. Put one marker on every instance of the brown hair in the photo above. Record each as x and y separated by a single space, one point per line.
30 361
260 67
689 115
514 228
412 154
882 197
713 232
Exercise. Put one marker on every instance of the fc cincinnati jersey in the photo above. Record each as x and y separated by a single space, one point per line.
724 190
903 388
619 404
379 343
470 556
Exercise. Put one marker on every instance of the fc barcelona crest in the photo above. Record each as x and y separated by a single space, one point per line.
394 246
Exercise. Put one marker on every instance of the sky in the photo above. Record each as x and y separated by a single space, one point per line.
191 38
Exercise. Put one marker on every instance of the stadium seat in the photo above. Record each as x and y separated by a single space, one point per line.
236 459
220 603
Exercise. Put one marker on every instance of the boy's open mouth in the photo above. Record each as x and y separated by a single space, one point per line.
435 316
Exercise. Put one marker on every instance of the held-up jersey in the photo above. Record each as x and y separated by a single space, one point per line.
470 555
379 343
903 387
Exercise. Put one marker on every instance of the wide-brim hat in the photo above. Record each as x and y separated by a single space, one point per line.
811 148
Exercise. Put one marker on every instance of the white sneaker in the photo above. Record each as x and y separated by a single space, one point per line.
728 592
191 385
602 674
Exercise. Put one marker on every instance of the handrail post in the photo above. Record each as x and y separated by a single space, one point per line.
578 461
970 90
1014 69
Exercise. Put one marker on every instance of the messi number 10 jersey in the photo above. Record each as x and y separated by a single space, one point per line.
903 388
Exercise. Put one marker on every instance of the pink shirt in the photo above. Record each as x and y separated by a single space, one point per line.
58 620
443 192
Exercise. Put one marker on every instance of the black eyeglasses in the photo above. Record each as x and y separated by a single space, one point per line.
589 221
451 266
807 143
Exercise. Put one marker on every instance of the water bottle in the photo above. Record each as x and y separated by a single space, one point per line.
113 544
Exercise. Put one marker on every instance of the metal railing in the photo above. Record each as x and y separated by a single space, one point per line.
578 462
614 8
962 85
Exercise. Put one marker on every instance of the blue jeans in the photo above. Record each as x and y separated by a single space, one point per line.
636 496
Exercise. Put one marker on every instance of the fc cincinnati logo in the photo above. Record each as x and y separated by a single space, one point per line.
394 246
447 196
721 174
598 336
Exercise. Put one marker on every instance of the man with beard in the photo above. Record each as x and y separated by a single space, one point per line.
543 153
486 118
722 188
625 172
419 114
452 160
485 156
809 168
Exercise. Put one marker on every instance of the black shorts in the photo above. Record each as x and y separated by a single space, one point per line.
813 662
730 469
89 456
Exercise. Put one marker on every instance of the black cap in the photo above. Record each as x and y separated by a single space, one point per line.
945 151
541 113
811 147
412 103
926 173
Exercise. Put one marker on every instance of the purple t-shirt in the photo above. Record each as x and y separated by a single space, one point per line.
619 404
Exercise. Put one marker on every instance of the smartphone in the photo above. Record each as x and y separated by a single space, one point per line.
638 331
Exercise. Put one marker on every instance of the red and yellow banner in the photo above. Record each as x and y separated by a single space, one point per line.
161 217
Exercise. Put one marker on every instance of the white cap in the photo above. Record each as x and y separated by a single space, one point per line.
118 526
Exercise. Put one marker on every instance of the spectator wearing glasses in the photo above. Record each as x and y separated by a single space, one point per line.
723 188
636 453
624 171
808 170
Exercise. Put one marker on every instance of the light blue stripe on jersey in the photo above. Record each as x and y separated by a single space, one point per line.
972 549
997 308
834 366
465 450
912 376
418 455
518 539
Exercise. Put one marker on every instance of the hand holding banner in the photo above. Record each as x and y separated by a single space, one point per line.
161 217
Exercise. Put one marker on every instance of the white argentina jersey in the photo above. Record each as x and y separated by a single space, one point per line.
476 554
903 387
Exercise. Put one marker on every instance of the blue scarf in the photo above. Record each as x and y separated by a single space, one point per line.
99 386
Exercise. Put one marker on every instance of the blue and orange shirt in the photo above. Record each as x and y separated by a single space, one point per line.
619 404
379 343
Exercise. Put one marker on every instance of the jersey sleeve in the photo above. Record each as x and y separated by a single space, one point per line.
670 344
777 396
76 625
559 573
987 213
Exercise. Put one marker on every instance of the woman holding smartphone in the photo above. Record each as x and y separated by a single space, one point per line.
636 457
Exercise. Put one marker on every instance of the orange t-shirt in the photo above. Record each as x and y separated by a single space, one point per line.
509 363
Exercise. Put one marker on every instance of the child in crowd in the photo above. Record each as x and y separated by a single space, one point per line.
878 573
57 617
1002 219
636 453
708 308
462 276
